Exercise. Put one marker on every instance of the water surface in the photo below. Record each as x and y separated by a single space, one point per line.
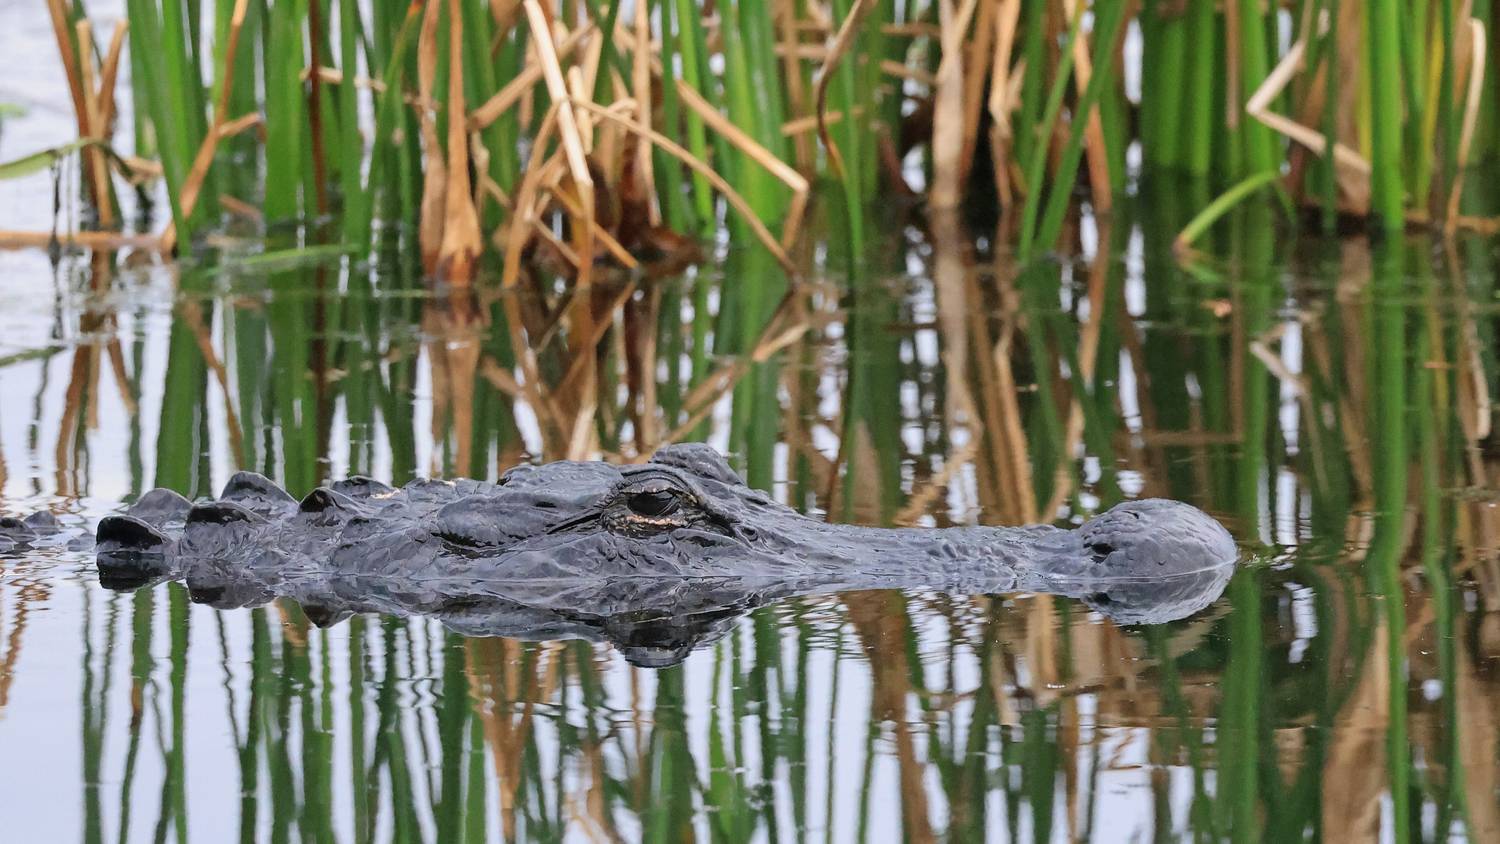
1328 400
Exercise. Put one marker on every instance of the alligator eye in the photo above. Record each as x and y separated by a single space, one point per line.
653 504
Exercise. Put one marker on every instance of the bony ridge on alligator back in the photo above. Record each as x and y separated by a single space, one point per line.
655 557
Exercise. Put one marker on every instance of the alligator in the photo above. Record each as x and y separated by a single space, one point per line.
656 558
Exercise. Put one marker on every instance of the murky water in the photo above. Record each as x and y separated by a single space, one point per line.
1328 401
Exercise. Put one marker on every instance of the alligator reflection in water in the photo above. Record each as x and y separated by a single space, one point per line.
655 559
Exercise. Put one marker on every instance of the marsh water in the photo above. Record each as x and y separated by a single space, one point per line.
1328 400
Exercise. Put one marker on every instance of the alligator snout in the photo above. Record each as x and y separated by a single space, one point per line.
1154 538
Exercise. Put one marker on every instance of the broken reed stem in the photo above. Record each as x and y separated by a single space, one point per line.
762 156
1471 121
1003 96
84 240
567 123
110 72
948 108
65 48
731 195
97 171
1258 107
522 215
507 97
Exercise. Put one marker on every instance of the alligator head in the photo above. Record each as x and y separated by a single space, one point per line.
654 557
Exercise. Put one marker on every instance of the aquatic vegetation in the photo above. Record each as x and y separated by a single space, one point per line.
597 134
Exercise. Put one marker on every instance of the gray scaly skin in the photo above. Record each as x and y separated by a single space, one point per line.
656 558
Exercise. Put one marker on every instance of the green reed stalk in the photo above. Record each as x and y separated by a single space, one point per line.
1211 213
390 116
175 784
703 320
155 97
1258 144
244 336
670 183
1433 439
1383 562
392 741
286 121
95 710
505 157
1237 745
1383 23
359 789
847 96
294 402
351 141
760 40
1034 53
142 616
1449 114
669 814
1167 368
1108 24
454 713
1242 715
483 76
178 443
1330 117
1150 22
185 97
1197 122
739 85
475 821
1167 113
1413 35
1036 165
692 44
314 818
1040 769
1040 286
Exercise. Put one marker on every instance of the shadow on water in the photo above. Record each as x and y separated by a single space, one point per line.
1328 400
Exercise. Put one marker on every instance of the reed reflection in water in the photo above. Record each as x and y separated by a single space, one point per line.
1330 402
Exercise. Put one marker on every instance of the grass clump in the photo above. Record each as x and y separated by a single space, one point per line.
601 133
